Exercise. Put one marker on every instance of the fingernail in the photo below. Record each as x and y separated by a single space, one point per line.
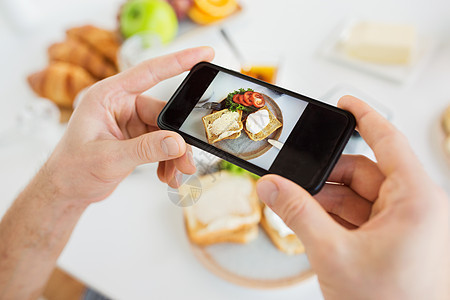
170 146
191 158
267 191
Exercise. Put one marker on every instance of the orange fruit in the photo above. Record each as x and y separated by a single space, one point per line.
217 8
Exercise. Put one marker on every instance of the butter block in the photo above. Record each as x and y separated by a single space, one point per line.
382 43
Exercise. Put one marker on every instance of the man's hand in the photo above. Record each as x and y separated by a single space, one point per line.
384 233
114 129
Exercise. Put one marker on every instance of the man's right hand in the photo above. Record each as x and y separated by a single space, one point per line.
384 233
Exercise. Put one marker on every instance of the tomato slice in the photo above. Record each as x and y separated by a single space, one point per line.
236 99
241 99
247 100
257 100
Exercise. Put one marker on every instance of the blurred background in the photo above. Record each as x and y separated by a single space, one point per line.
127 247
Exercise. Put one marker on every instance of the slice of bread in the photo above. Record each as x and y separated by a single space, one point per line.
289 244
228 132
227 211
273 125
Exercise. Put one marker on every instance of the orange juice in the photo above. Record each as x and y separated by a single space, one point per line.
263 72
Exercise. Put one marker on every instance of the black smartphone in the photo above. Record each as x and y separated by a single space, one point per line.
258 126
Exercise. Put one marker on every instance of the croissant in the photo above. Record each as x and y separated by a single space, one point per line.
104 41
78 53
60 82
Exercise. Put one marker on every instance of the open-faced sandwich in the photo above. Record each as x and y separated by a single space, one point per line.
281 235
224 214
260 124
223 124
244 109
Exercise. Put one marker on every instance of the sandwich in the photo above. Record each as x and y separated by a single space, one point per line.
260 124
223 124
228 210
280 235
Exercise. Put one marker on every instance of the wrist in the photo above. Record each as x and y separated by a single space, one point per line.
48 188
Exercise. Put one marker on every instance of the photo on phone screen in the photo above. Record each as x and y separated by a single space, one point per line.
258 126
259 114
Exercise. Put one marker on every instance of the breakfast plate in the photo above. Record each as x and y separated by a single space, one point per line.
245 148
235 243
257 264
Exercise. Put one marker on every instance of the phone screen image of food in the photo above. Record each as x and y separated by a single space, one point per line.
244 118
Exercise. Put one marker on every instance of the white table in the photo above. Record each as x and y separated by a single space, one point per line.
133 245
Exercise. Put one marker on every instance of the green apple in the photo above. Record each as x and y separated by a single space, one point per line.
153 16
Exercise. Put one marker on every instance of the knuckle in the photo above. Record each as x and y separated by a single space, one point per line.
292 211
361 159
145 151
153 74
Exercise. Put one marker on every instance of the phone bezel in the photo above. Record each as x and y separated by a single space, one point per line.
243 163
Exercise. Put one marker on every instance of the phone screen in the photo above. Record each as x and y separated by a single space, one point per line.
258 126
282 109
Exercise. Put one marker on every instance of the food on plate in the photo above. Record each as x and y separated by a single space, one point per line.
103 41
205 12
382 43
281 235
150 16
88 54
246 100
81 54
181 7
260 124
223 124
217 8
233 169
223 214
60 82
199 17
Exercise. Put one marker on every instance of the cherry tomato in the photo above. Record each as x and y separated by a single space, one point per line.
247 100
257 100
236 99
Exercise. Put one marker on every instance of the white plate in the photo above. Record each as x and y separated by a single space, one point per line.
332 50
258 264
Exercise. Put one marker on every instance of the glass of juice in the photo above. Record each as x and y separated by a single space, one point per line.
260 63
265 72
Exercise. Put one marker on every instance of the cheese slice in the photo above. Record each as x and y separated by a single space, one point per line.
382 43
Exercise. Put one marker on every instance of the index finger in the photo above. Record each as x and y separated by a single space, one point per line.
148 73
390 147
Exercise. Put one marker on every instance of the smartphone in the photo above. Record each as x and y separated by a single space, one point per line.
258 126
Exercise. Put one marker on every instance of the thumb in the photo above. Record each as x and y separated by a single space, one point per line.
299 210
153 147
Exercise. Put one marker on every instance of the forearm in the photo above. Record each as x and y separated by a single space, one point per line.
33 233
